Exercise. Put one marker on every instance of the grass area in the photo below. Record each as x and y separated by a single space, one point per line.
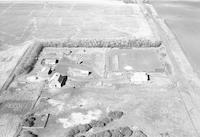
9 58
135 59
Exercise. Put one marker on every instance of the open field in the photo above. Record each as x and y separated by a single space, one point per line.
71 20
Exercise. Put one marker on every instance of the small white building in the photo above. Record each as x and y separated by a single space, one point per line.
79 72
49 61
139 77
57 81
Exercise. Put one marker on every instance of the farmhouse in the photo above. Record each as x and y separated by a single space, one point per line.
57 81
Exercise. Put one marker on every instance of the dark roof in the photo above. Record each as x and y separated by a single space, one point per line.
62 80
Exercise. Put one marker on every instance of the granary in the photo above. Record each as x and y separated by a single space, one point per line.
140 77
57 80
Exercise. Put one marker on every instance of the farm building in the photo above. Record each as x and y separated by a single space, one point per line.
57 81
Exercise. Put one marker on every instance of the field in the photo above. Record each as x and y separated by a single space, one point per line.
51 20
187 14
10 56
